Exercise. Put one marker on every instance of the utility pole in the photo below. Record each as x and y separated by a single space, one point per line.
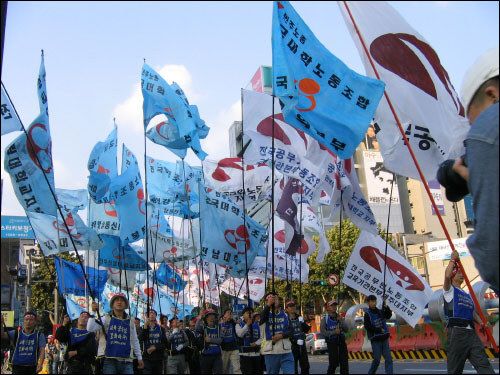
28 281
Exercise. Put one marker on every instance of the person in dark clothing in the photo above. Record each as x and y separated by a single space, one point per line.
153 341
248 332
229 346
300 328
139 330
378 333
193 349
82 345
211 336
332 327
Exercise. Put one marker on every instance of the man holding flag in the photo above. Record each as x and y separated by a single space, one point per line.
81 344
463 342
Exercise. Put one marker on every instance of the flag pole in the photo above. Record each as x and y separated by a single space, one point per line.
387 234
340 243
424 181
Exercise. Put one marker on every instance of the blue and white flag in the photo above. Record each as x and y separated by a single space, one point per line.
165 275
102 167
170 306
227 233
157 222
73 309
10 120
26 165
127 192
53 235
322 96
122 256
71 279
166 134
72 200
161 98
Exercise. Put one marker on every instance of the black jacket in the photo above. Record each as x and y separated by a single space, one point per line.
157 354
86 349
386 313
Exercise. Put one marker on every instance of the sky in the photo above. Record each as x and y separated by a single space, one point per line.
94 52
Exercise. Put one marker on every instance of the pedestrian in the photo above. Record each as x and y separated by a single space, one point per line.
28 345
81 344
248 330
138 330
177 342
332 327
378 333
480 94
298 338
154 343
276 331
211 336
229 345
193 349
463 342
52 350
119 342
166 329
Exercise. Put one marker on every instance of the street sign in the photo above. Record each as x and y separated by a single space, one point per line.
333 279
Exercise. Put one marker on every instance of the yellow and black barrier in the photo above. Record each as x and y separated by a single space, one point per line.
415 354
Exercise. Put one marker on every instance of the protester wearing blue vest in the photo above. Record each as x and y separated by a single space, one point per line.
118 342
229 346
193 350
298 338
211 357
332 327
154 343
81 344
276 330
378 333
463 342
248 331
178 341
29 346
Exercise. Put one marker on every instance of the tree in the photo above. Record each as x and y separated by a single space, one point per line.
42 292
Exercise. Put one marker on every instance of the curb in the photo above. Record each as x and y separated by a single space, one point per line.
415 354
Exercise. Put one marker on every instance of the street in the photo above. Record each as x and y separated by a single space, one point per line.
319 365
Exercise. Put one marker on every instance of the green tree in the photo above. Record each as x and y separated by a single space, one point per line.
43 285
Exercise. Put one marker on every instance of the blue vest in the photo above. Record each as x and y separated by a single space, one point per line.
280 324
378 321
331 325
297 328
460 311
154 336
118 338
26 353
77 335
252 335
228 334
177 339
213 333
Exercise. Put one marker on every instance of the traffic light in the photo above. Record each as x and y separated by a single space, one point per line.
317 282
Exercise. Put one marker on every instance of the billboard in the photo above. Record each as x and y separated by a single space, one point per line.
437 195
441 250
16 227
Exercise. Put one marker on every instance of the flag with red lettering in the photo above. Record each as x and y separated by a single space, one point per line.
407 292
418 86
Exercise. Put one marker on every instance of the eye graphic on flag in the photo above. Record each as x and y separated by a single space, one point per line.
42 147
405 278
265 127
80 282
256 281
110 270
309 87
140 196
170 253
234 237
110 211
70 222
116 254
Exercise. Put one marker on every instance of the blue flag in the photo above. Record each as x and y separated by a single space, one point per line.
322 96
167 305
71 279
165 275
116 255
127 192
72 200
167 135
227 232
53 235
162 98
73 309
102 167
25 170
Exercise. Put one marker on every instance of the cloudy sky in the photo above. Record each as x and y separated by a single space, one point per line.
94 53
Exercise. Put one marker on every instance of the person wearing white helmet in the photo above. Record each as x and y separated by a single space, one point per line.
119 342
480 94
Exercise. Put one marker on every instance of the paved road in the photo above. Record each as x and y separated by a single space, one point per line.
319 365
